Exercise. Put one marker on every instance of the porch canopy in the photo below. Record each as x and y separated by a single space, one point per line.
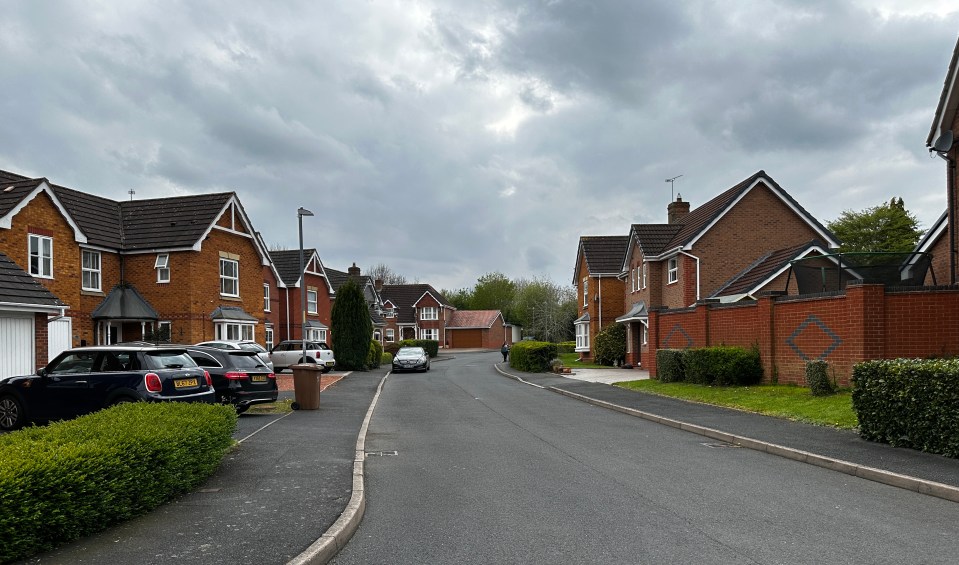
125 303
638 313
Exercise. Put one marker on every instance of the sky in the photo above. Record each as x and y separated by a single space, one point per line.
449 139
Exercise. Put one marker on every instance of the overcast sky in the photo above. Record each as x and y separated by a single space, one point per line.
453 138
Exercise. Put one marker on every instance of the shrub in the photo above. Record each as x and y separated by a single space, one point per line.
376 354
566 347
609 347
391 348
74 478
909 403
386 358
723 366
351 327
431 346
532 356
817 378
670 367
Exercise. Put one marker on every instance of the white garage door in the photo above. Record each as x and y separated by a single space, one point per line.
16 345
59 336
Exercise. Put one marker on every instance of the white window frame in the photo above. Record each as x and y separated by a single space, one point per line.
268 338
91 278
233 330
585 292
582 336
389 313
632 280
672 270
162 265
266 297
430 333
44 261
316 334
227 279
645 334
390 335
645 272
429 313
311 302
168 325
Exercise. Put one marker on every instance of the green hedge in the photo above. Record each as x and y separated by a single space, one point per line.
386 358
375 356
532 356
817 378
431 346
909 403
566 347
609 346
723 366
669 365
391 348
74 478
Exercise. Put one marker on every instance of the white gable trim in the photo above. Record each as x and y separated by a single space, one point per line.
438 301
773 276
7 220
949 102
772 186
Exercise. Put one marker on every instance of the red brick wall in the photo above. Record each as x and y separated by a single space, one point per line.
40 340
864 323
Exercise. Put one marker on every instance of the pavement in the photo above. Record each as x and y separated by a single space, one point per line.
293 490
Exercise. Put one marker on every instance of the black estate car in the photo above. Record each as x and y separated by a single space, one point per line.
86 379
240 377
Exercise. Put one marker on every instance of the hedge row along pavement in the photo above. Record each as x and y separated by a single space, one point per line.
720 365
74 478
532 356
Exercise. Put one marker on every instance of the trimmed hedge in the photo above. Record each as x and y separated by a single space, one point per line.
609 346
386 358
817 378
74 478
723 366
566 347
532 356
669 365
375 355
431 346
391 348
909 403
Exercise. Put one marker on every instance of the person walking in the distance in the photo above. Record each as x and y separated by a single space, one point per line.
505 351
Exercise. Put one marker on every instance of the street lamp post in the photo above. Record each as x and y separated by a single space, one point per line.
300 212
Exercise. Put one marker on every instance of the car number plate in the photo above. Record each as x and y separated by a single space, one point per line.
185 383
258 378
330 363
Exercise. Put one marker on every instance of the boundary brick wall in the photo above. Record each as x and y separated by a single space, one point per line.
866 322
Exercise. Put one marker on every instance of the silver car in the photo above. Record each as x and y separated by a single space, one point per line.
243 345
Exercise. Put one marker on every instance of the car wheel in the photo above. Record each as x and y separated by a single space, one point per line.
307 360
327 369
241 409
295 405
11 413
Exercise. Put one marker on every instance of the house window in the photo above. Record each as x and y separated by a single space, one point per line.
429 313
377 336
230 279
162 266
234 330
389 313
390 337
266 297
311 301
645 272
90 265
632 280
582 337
673 270
316 334
268 337
41 256
585 292
645 334
432 333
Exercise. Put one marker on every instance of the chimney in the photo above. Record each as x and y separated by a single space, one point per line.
677 210
378 285
354 271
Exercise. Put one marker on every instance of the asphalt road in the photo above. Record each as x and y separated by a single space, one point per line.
489 470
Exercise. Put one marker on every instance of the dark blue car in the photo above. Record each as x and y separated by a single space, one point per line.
86 379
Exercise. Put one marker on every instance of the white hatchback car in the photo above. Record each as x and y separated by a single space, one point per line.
244 345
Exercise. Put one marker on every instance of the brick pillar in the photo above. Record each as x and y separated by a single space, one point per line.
766 332
653 342
867 311
41 341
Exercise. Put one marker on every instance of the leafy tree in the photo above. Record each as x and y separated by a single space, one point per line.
888 227
351 327
493 291
461 299
610 345
383 272
545 310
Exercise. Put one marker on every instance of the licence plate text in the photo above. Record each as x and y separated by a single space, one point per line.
258 378
185 383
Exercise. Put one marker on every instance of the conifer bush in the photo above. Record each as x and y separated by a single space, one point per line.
351 327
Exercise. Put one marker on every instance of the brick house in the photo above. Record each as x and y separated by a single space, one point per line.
701 253
599 287
190 266
484 329
319 295
414 311
943 134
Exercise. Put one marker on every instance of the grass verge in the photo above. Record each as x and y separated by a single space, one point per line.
278 407
570 360
789 402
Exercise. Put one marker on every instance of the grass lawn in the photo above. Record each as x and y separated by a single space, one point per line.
278 407
569 360
790 402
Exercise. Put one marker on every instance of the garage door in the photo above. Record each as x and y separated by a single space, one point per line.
463 339
16 346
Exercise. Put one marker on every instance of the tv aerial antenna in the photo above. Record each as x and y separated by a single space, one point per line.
672 193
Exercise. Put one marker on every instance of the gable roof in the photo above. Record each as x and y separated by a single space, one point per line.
766 268
174 222
603 254
463 319
405 296
948 100
20 291
16 194
124 303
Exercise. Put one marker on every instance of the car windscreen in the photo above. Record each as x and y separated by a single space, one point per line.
252 347
171 359
411 351
246 360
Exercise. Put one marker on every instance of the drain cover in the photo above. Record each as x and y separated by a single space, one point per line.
719 445
380 453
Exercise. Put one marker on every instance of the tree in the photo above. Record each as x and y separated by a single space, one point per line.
351 327
493 291
460 299
610 347
545 310
888 227
383 272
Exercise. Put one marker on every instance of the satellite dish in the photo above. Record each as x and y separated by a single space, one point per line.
943 143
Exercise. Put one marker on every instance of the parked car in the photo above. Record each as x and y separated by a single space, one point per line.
85 379
239 376
243 344
411 359
290 352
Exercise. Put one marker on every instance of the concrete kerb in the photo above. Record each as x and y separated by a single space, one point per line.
906 482
339 534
